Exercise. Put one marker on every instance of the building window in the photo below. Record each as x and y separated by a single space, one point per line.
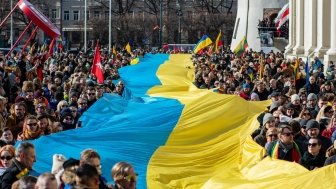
96 14
66 15
76 15
53 13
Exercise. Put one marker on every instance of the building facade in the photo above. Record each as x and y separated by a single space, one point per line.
312 28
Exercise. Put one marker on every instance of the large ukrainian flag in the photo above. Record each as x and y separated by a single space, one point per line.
178 136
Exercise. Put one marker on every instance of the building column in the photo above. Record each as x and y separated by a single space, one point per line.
310 25
291 27
299 46
323 27
331 53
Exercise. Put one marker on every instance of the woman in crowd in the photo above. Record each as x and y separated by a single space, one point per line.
7 136
7 153
30 130
330 128
124 176
313 158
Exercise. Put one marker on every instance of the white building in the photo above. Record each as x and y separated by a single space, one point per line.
312 28
248 15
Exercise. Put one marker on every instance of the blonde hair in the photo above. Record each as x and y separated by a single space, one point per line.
60 104
120 170
8 148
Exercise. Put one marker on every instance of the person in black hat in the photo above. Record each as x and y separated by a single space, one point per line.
313 130
67 119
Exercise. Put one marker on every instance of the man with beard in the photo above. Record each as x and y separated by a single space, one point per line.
15 120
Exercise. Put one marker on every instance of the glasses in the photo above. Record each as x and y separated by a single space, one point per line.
91 94
276 117
272 135
82 103
68 118
312 144
131 178
6 157
31 124
73 111
306 114
288 134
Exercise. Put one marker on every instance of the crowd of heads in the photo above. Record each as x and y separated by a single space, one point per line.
301 92
16 171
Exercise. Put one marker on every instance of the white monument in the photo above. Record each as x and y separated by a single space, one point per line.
248 15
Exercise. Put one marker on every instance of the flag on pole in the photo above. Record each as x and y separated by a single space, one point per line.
202 43
114 52
128 48
60 44
97 69
296 69
241 47
51 47
282 17
218 41
261 68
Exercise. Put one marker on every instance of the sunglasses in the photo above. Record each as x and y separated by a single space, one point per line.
6 157
287 134
272 135
91 94
68 118
31 124
312 144
131 178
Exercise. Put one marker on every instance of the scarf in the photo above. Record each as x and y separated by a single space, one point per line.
28 135
296 155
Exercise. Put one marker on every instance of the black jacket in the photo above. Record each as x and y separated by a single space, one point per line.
10 175
310 162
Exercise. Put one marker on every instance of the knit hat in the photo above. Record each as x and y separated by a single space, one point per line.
311 124
38 94
274 106
254 96
295 97
267 117
312 96
246 85
66 112
303 122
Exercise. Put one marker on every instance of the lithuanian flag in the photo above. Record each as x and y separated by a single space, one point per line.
241 47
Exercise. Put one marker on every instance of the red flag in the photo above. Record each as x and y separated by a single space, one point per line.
51 47
97 66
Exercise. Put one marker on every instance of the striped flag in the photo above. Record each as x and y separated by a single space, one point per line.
219 42
241 47
282 17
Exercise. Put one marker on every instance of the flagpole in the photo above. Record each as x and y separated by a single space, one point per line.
110 25
85 19
11 25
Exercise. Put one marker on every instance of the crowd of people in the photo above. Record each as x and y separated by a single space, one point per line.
41 95
300 123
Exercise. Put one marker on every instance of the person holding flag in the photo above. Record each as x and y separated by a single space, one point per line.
219 42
